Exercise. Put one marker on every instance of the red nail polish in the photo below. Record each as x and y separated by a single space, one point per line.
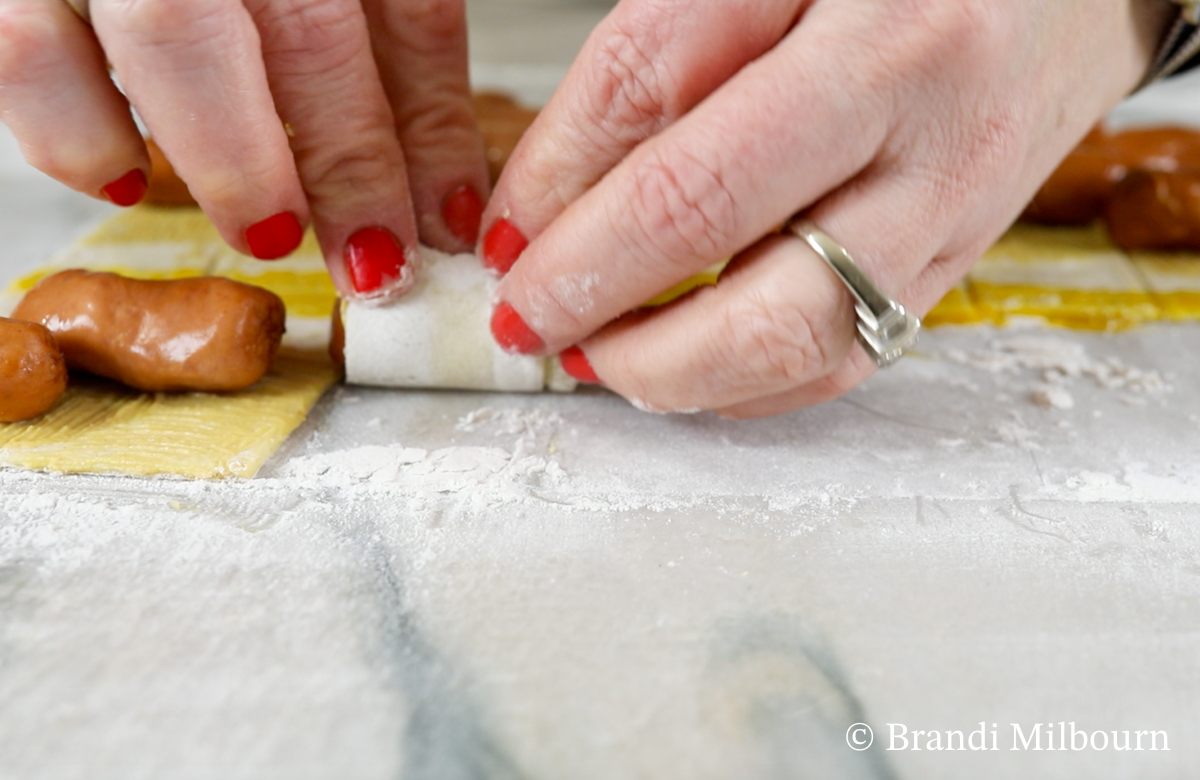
275 236
374 259
511 332
461 211
502 245
127 190
575 363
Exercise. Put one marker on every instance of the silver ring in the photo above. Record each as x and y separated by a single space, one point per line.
80 7
886 329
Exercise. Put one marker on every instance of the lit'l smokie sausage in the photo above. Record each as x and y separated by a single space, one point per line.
208 334
33 374
1156 210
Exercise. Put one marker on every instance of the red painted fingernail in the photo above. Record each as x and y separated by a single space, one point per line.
511 332
127 190
461 211
275 236
575 363
502 245
374 258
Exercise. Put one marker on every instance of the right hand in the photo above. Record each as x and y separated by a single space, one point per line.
352 114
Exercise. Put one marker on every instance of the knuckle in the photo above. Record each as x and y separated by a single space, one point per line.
943 37
435 21
630 98
438 123
685 209
230 184
223 186
366 168
315 35
170 22
30 42
770 344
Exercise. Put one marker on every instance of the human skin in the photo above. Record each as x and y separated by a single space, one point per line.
913 132
354 115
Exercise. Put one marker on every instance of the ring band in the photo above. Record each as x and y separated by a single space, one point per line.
886 329
80 7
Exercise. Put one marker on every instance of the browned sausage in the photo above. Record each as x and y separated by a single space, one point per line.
33 374
165 187
502 122
1078 192
337 337
1156 210
1075 194
1156 148
206 334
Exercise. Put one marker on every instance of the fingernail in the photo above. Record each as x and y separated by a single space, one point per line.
374 258
511 332
502 245
575 363
127 190
461 211
275 236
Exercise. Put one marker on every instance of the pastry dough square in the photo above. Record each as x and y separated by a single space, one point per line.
101 427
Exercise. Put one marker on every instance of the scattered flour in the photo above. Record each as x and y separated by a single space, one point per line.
446 470
1059 363
1052 397
509 421
507 473
1135 483
1015 432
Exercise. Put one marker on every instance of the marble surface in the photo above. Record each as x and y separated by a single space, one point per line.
454 585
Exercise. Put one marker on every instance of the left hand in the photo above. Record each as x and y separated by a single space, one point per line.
913 132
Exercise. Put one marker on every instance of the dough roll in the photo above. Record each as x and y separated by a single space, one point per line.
438 336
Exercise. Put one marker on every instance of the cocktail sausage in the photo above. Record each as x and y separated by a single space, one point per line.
206 333
33 374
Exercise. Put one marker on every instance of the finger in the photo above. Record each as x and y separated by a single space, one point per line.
327 90
775 332
919 296
55 95
644 67
771 141
850 374
777 318
194 72
421 49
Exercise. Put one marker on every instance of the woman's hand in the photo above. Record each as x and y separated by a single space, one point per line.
913 131
352 114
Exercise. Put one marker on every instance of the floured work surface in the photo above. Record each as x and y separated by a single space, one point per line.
1065 276
102 427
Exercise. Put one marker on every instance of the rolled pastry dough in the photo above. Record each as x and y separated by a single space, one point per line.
438 336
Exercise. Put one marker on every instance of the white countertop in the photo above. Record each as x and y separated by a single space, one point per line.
455 585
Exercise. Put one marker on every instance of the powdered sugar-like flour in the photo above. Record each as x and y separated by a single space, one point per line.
1058 363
